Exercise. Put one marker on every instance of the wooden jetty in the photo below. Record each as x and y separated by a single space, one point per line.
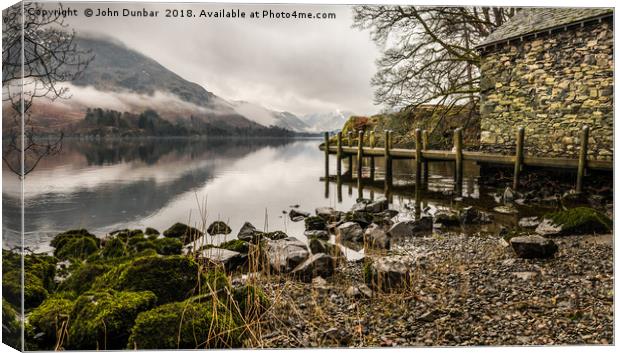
422 155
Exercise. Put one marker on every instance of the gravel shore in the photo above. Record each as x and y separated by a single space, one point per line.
468 290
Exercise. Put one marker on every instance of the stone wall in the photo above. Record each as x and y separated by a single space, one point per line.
552 86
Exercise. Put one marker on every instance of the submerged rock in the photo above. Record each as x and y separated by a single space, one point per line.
297 216
350 231
286 254
575 221
471 215
379 205
316 265
218 227
533 246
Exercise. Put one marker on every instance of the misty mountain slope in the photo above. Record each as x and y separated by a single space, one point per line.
328 121
267 117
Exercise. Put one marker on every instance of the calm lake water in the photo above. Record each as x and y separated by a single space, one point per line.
107 185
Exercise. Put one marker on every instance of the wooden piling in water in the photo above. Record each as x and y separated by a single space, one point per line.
350 141
360 153
339 154
326 135
373 143
518 157
418 158
388 158
458 159
425 148
583 155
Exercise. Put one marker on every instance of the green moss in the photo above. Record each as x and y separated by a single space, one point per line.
76 248
11 328
103 319
81 279
186 325
214 280
48 319
278 234
34 291
171 278
168 246
251 301
61 239
114 247
581 220
237 245
151 231
183 232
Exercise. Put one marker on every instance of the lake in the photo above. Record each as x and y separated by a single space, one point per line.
113 184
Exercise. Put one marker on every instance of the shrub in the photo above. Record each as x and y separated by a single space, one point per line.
49 318
103 319
185 325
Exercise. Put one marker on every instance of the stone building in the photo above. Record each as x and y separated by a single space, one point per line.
550 71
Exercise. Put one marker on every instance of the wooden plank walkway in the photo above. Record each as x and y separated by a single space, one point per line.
457 154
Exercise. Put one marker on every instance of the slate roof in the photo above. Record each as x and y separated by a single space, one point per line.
533 20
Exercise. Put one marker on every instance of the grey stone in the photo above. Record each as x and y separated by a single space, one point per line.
389 273
533 246
547 227
349 231
320 234
286 254
246 232
529 222
447 218
229 259
327 213
421 226
376 238
297 216
379 205
316 265
471 215
509 195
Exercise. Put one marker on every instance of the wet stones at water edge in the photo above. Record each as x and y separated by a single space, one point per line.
471 215
297 216
349 231
575 221
183 232
315 223
319 234
376 238
376 206
316 265
218 227
533 247
286 254
420 227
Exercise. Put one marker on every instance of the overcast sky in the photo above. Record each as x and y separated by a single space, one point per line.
302 66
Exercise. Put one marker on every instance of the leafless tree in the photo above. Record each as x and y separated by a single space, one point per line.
428 52
38 55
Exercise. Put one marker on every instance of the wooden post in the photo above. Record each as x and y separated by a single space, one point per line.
373 143
360 153
583 155
339 154
424 148
458 153
327 155
518 157
388 159
418 158
350 138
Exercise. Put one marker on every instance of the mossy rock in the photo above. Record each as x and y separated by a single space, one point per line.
77 248
237 245
168 246
142 244
171 278
251 302
48 319
114 247
275 235
39 265
125 234
103 319
34 291
581 220
61 239
183 232
315 223
186 325
81 279
215 280
218 227
151 231
11 328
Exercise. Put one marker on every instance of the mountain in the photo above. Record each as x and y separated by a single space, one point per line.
267 117
327 121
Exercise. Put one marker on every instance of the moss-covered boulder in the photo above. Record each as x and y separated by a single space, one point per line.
48 319
171 278
11 329
236 245
186 325
103 319
151 231
574 221
34 291
315 223
168 246
114 247
76 248
81 279
218 227
183 232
